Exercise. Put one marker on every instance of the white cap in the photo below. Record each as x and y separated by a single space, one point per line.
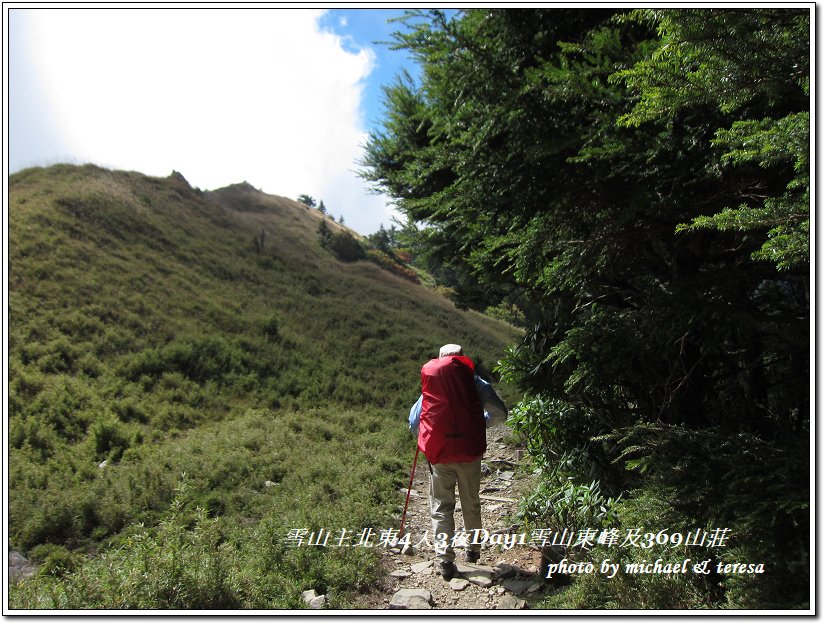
450 349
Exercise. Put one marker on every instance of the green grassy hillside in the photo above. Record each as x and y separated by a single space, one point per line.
149 329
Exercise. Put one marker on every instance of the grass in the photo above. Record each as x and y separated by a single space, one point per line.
149 331
235 489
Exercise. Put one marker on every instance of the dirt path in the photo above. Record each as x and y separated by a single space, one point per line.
504 578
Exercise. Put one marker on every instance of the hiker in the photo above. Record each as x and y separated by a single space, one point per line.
450 420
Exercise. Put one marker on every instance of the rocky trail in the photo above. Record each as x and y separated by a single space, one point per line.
505 578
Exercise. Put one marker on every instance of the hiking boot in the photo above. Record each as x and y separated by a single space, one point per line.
472 556
448 570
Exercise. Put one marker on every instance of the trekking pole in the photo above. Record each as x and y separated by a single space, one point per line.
409 489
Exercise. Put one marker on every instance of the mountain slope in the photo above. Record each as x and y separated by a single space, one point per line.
151 330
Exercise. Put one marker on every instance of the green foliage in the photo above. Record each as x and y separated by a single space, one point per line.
198 359
387 262
307 200
54 560
637 182
757 487
707 57
191 558
647 510
770 143
110 439
384 240
270 327
324 234
567 505
345 247
568 494
751 63
184 563
508 312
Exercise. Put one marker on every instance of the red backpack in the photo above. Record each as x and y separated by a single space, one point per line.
452 426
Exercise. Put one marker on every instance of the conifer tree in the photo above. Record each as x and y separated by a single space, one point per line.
641 180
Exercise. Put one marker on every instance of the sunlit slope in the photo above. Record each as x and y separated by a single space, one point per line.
142 309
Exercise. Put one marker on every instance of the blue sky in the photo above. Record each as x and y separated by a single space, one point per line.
280 98
370 28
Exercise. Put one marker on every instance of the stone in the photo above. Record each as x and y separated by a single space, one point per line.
411 599
481 580
269 483
506 475
407 550
505 571
458 584
533 588
418 603
401 574
474 567
509 601
19 566
313 600
103 464
417 568
476 574
517 587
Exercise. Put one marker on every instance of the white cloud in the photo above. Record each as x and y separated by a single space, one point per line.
363 211
221 95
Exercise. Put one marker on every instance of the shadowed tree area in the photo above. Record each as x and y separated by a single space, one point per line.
638 182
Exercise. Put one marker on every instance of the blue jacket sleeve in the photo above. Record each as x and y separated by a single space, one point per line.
495 411
415 416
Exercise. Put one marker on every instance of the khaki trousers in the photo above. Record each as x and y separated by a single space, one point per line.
442 481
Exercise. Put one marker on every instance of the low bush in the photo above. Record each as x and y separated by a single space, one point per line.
54 560
274 474
110 439
345 247
385 261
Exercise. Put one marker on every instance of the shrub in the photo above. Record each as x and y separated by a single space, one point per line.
199 359
128 410
110 439
41 437
509 313
105 211
385 261
345 247
64 404
54 560
271 328
650 510
324 234
183 564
